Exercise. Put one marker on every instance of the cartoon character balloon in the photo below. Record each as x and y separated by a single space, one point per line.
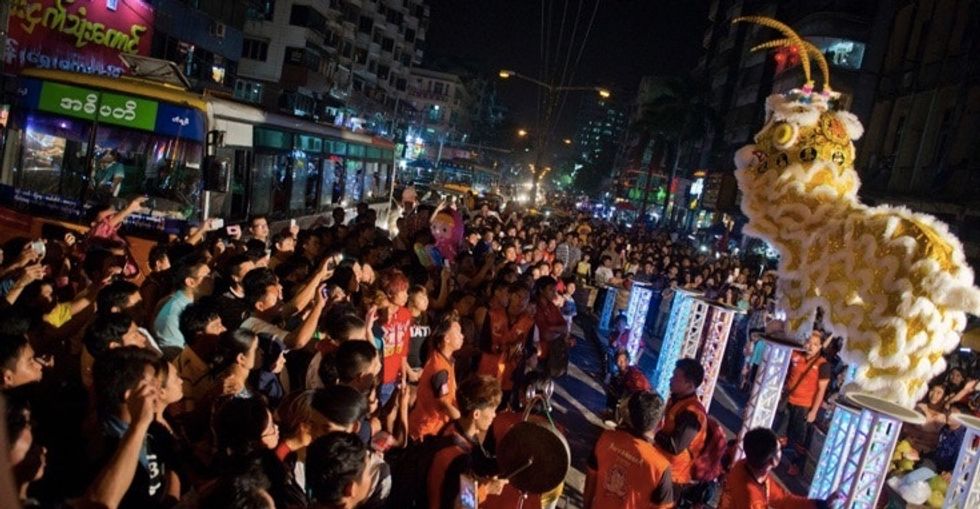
446 226
894 283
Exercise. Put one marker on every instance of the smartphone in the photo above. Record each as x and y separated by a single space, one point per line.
217 223
39 248
233 230
292 223
325 292
467 492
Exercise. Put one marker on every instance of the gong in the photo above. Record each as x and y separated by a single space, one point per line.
537 453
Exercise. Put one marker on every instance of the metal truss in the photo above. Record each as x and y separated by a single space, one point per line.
719 327
767 388
964 487
636 316
670 347
836 446
608 304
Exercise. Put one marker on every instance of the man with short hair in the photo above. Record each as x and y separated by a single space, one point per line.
258 229
340 471
806 383
201 326
18 366
264 295
685 426
749 486
626 469
159 282
193 281
132 449
109 330
125 297
477 399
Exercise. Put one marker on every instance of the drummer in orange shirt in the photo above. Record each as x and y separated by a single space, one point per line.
749 485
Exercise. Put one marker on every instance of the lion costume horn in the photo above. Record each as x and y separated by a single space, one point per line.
804 48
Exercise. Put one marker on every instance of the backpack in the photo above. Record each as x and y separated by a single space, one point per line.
410 470
708 465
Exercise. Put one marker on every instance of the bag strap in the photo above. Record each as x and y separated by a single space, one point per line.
809 366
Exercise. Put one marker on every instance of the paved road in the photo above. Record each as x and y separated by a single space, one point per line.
579 401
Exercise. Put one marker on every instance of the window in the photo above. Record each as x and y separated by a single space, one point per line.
255 49
360 56
942 140
383 72
249 91
401 84
387 44
365 24
306 16
409 35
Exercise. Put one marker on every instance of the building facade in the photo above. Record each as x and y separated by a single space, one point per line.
920 143
599 127
346 62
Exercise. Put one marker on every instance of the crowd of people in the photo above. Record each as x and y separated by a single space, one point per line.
336 365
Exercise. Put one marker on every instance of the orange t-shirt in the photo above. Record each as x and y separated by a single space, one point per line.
436 384
503 335
680 464
628 472
743 491
804 391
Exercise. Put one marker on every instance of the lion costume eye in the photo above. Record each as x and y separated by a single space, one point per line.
784 135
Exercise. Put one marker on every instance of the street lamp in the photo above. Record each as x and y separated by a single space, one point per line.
541 146
522 132
567 141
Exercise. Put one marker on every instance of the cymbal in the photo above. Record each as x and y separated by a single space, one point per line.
545 448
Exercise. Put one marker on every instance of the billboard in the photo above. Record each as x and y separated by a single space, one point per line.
85 36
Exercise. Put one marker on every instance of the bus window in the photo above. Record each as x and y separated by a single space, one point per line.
52 154
262 173
164 168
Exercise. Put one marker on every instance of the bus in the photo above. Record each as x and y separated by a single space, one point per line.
71 136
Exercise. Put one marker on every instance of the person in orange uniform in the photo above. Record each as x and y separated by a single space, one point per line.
685 425
508 330
478 399
435 405
806 382
749 485
627 469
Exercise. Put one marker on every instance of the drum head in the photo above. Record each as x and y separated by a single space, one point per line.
548 449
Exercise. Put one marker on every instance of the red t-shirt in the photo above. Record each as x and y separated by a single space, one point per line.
396 337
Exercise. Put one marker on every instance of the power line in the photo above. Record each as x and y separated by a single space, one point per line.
578 59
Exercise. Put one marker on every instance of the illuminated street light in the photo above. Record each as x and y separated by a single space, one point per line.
522 132
504 73
568 141
603 92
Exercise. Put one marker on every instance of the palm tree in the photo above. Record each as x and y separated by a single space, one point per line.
677 113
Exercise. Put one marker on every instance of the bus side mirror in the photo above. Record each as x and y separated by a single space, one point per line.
216 172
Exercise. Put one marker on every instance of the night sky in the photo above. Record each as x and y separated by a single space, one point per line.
629 39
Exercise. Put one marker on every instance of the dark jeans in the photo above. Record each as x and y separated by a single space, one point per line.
793 424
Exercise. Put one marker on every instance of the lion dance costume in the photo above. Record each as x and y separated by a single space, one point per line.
892 282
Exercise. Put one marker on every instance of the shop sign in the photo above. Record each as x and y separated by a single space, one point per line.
82 36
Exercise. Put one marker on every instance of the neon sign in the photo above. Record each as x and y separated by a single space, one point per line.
84 37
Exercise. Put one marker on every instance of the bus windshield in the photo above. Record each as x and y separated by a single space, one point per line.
61 162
